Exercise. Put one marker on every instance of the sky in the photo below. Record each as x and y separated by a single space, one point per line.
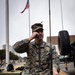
39 12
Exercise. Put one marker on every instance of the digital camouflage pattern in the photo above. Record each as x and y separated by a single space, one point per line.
32 65
36 26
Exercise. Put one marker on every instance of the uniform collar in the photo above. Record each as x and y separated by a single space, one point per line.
42 44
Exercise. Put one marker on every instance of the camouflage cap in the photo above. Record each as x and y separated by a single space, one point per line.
36 26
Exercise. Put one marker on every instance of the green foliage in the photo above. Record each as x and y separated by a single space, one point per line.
11 55
2 54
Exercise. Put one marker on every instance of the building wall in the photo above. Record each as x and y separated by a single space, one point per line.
54 39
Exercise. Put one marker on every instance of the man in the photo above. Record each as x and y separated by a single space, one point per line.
38 52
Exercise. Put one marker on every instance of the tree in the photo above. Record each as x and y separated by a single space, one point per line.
12 56
2 55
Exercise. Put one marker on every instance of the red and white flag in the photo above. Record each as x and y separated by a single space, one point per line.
26 7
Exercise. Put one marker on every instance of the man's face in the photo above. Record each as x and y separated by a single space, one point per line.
40 34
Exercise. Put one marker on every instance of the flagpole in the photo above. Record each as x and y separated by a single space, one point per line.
61 14
7 32
51 67
27 6
29 17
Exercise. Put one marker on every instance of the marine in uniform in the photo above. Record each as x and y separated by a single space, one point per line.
38 53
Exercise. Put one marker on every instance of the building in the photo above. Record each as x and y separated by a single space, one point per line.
54 41
10 49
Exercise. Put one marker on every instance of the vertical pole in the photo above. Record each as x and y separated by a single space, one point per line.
61 14
39 56
51 71
7 32
29 17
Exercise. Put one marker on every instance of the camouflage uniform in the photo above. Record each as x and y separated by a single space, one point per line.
32 66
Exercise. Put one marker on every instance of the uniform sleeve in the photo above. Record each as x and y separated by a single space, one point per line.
21 46
55 60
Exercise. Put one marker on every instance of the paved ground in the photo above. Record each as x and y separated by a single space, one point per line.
71 69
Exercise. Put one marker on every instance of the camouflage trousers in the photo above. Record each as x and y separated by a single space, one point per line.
27 72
